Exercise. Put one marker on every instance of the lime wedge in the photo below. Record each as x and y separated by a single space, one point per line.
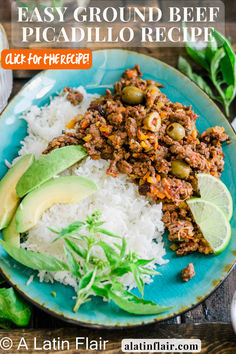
212 222
214 190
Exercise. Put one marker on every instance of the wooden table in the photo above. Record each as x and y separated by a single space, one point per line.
209 321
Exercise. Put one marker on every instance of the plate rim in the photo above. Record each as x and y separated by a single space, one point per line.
156 319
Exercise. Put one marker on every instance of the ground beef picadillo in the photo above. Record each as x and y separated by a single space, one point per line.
139 139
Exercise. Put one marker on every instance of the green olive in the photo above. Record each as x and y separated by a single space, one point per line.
180 169
176 131
152 122
132 95
153 87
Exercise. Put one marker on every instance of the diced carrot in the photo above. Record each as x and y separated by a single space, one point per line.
146 176
141 135
85 124
113 174
151 180
70 124
131 73
163 115
87 137
96 157
161 195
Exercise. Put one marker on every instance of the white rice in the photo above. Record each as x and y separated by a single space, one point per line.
124 211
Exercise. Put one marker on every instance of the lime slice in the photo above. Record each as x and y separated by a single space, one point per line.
212 222
214 190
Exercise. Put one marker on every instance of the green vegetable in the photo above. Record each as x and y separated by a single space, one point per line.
131 303
95 276
34 260
219 62
13 309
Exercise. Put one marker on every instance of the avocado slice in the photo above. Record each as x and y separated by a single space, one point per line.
10 235
58 190
47 166
8 197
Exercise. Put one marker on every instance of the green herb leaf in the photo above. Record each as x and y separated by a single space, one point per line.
82 252
132 304
121 270
34 260
198 56
137 277
148 271
143 262
101 291
13 308
72 263
186 69
228 49
108 233
211 48
215 63
123 248
229 92
85 288
86 280
111 255
69 231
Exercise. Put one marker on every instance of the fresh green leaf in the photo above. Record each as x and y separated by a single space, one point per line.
108 233
73 264
101 291
148 271
143 262
215 63
53 230
198 56
132 304
85 281
13 308
34 260
111 255
211 48
226 70
69 231
229 92
80 251
123 248
121 270
138 278
228 49
186 69
85 288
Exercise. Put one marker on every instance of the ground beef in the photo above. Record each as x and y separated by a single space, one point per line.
61 141
75 97
121 133
188 272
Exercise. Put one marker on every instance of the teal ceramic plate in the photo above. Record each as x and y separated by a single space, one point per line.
168 289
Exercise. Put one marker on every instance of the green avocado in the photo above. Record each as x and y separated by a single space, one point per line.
47 166
8 197
10 235
58 190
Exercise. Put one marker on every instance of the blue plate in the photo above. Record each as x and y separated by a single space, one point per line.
108 66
